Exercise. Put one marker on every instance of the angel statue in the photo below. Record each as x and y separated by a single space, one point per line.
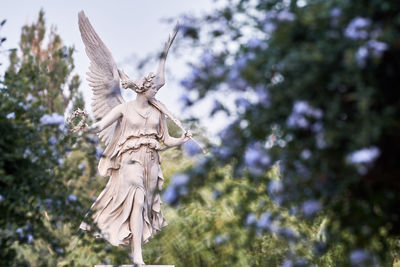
128 210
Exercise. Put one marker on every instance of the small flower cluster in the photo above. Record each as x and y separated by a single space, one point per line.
277 16
177 188
52 119
372 47
301 110
357 28
257 159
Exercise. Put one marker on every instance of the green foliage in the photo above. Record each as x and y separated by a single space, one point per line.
319 77
40 168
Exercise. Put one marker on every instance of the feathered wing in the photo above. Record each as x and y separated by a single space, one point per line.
102 76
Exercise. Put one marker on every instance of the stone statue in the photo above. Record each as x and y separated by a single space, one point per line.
128 210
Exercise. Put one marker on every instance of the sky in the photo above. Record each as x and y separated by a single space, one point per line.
130 29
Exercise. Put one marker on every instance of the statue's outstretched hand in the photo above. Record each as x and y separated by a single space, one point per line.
187 135
94 128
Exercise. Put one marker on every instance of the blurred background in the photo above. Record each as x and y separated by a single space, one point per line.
296 102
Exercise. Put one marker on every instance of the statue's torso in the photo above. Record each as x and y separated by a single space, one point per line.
140 127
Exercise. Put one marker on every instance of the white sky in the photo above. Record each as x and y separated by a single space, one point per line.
128 28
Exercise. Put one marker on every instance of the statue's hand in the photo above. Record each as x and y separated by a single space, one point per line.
94 128
187 135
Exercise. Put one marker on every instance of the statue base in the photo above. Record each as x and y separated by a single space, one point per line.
134 265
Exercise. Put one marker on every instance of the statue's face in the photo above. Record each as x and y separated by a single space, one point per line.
139 82
151 92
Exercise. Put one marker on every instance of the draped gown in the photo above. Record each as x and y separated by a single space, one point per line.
134 164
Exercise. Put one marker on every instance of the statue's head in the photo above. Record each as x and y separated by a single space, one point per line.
144 83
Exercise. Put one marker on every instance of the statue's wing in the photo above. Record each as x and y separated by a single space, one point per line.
103 76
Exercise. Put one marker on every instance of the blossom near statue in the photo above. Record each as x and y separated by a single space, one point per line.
128 210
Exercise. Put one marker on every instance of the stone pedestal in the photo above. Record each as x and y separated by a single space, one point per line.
134 265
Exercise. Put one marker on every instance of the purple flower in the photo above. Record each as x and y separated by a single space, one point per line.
180 179
176 188
263 95
242 103
317 127
82 165
311 207
302 107
356 28
255 42
372 47
220 239
54 118
335 12
235 81
72 198
99 152
207 59
377 47
297 121
53 140
287 233
265 221
269 26
223 153
191 148
242 61
305 154
285 15
300 110
29 238
275 186
216 194
250 219
20 232
287 263
360 257
29 97
301 262
365 155
361 56
170 195
10 116
256 159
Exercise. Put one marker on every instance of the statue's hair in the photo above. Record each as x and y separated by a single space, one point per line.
143 84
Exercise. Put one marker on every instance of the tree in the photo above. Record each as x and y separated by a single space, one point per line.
37 162
316 78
